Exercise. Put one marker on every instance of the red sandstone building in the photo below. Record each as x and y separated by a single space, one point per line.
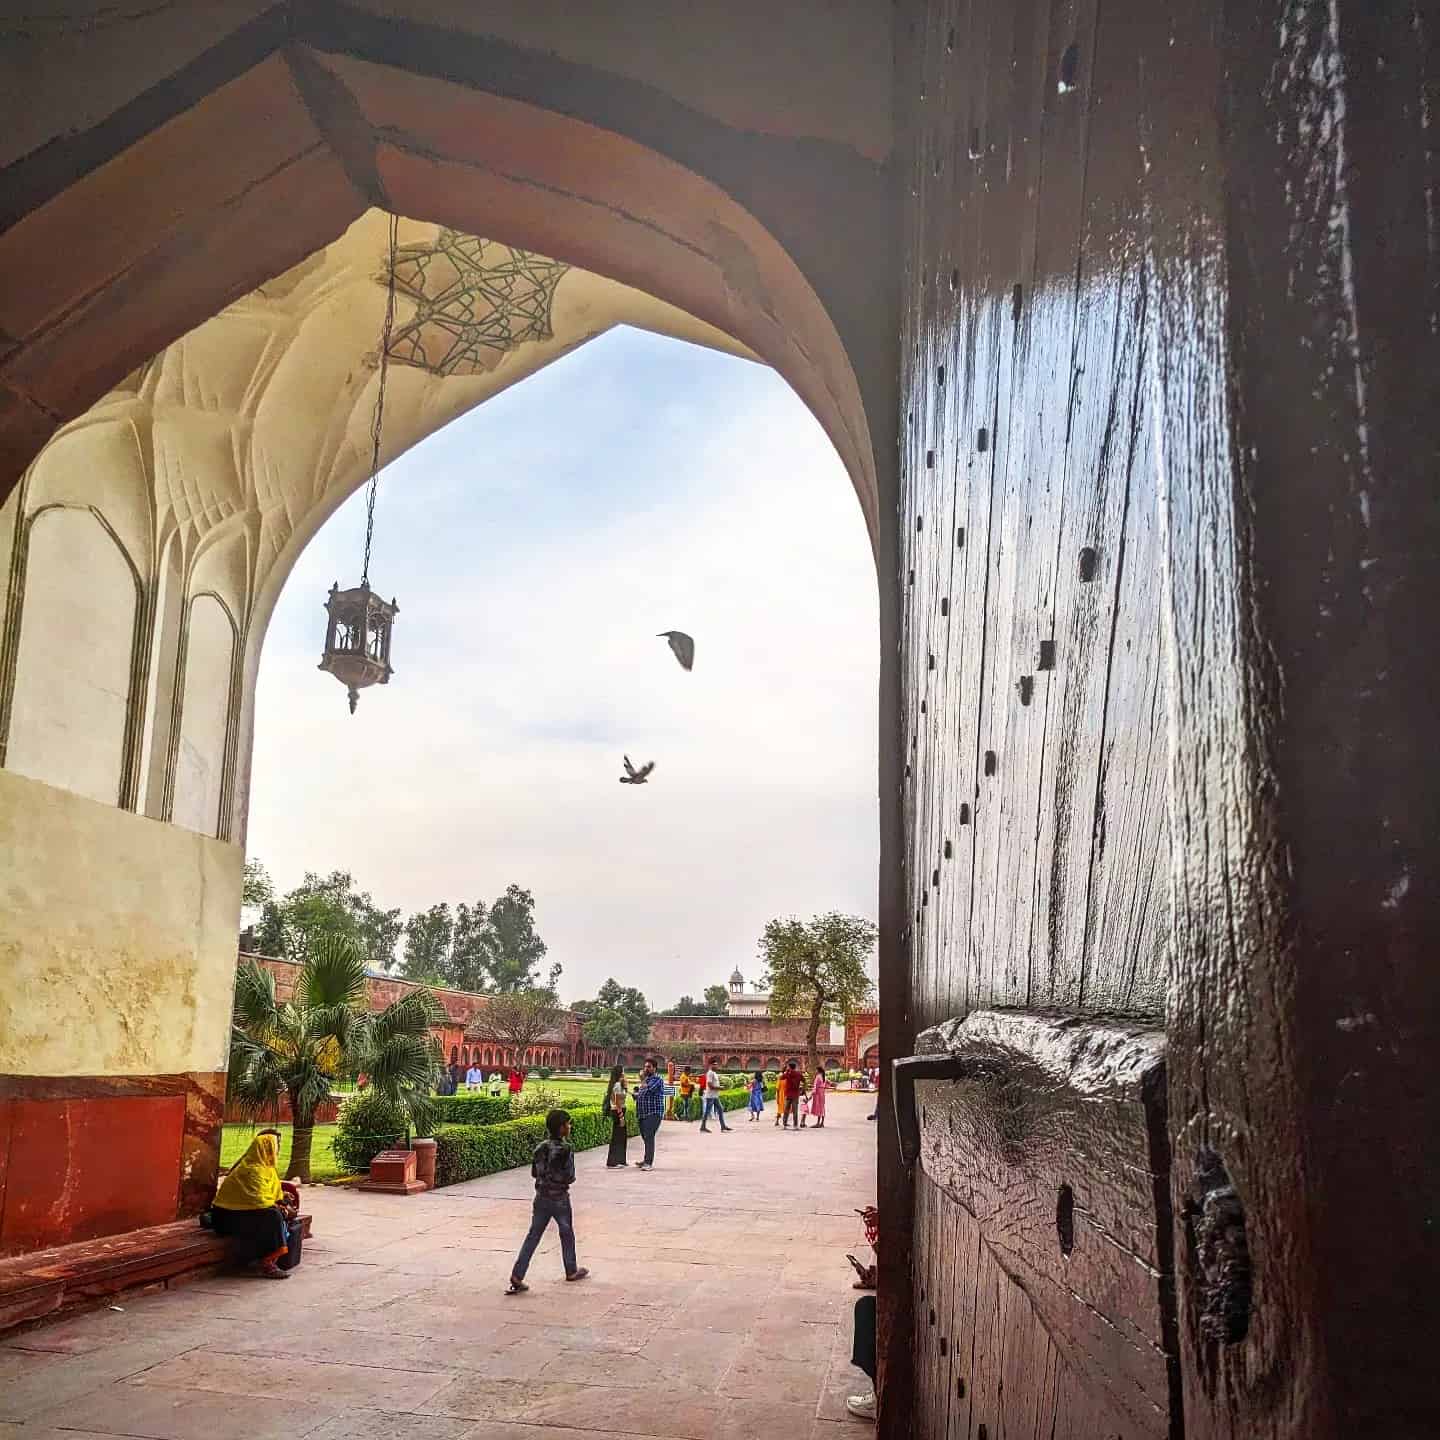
560 1047
749 1040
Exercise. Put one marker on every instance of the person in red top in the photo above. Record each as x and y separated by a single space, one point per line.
517 1079
792 1082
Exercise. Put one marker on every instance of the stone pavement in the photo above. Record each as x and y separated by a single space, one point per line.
718 1309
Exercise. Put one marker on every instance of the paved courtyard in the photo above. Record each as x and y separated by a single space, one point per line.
718 1309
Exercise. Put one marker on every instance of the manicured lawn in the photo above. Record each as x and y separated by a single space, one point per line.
571 1092
236 1138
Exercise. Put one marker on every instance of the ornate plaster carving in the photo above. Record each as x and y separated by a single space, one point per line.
474 301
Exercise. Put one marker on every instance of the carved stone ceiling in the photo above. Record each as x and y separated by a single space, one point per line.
474 300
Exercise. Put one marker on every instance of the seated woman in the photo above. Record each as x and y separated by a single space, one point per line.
253 1212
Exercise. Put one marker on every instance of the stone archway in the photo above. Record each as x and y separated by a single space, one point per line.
867 1044
308 121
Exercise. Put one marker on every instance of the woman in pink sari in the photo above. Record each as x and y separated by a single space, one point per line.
818 1086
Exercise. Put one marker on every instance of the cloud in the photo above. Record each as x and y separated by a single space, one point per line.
536 546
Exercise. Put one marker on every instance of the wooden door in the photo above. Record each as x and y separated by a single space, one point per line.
1168 539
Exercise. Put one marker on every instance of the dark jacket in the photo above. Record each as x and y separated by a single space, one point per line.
553 1166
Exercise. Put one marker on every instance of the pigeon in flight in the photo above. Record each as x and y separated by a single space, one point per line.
632 776
682 645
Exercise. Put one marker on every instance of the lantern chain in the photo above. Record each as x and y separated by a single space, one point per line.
377 420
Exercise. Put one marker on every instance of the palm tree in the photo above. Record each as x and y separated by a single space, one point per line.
297 1047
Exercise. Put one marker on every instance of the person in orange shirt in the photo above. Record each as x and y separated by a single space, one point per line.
687 1091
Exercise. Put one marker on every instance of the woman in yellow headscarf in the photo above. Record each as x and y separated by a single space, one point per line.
250 1208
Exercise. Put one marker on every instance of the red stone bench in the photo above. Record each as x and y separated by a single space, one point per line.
47 1282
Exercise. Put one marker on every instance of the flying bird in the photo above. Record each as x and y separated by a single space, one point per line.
682 646
632 776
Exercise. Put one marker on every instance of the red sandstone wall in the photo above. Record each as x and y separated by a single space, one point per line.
739 1030
63 1177
461 1006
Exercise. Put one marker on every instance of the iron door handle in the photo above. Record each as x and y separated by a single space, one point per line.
904 1074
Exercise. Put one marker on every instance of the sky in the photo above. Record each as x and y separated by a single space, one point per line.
536 546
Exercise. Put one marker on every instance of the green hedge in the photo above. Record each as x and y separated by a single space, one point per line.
463 1152
471 1109
368 1124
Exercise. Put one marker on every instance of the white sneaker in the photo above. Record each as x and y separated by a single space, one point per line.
862 1407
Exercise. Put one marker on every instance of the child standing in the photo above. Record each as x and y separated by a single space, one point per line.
553 1166
757 1095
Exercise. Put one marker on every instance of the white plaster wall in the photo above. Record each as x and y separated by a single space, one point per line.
72 673
200 756
117 938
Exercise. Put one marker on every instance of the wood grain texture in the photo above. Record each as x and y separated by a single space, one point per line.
1170 372
1052 1152
1034 699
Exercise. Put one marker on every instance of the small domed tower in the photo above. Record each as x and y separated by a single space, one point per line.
737 982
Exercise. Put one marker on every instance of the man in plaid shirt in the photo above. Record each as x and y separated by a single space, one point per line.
649 1110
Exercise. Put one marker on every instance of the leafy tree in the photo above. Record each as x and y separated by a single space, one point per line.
428 938
328 905
466 968
256 888
606 1030
717 1000
817 969
682 1052
631 1004
479 948
512 948
516 1019
294 1049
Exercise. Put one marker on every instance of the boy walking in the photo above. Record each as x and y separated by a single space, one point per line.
553 1166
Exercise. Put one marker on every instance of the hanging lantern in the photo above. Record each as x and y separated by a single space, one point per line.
357 630
357 638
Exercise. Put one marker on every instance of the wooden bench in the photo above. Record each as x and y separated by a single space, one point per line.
47 1282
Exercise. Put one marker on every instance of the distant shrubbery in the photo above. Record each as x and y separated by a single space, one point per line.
368 1124
471 1109
534 1100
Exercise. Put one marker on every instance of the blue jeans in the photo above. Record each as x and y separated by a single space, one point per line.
548 1208
649 1125
718 1108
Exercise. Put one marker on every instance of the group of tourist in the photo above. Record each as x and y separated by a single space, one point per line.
259 1214
449 1080
796 1104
